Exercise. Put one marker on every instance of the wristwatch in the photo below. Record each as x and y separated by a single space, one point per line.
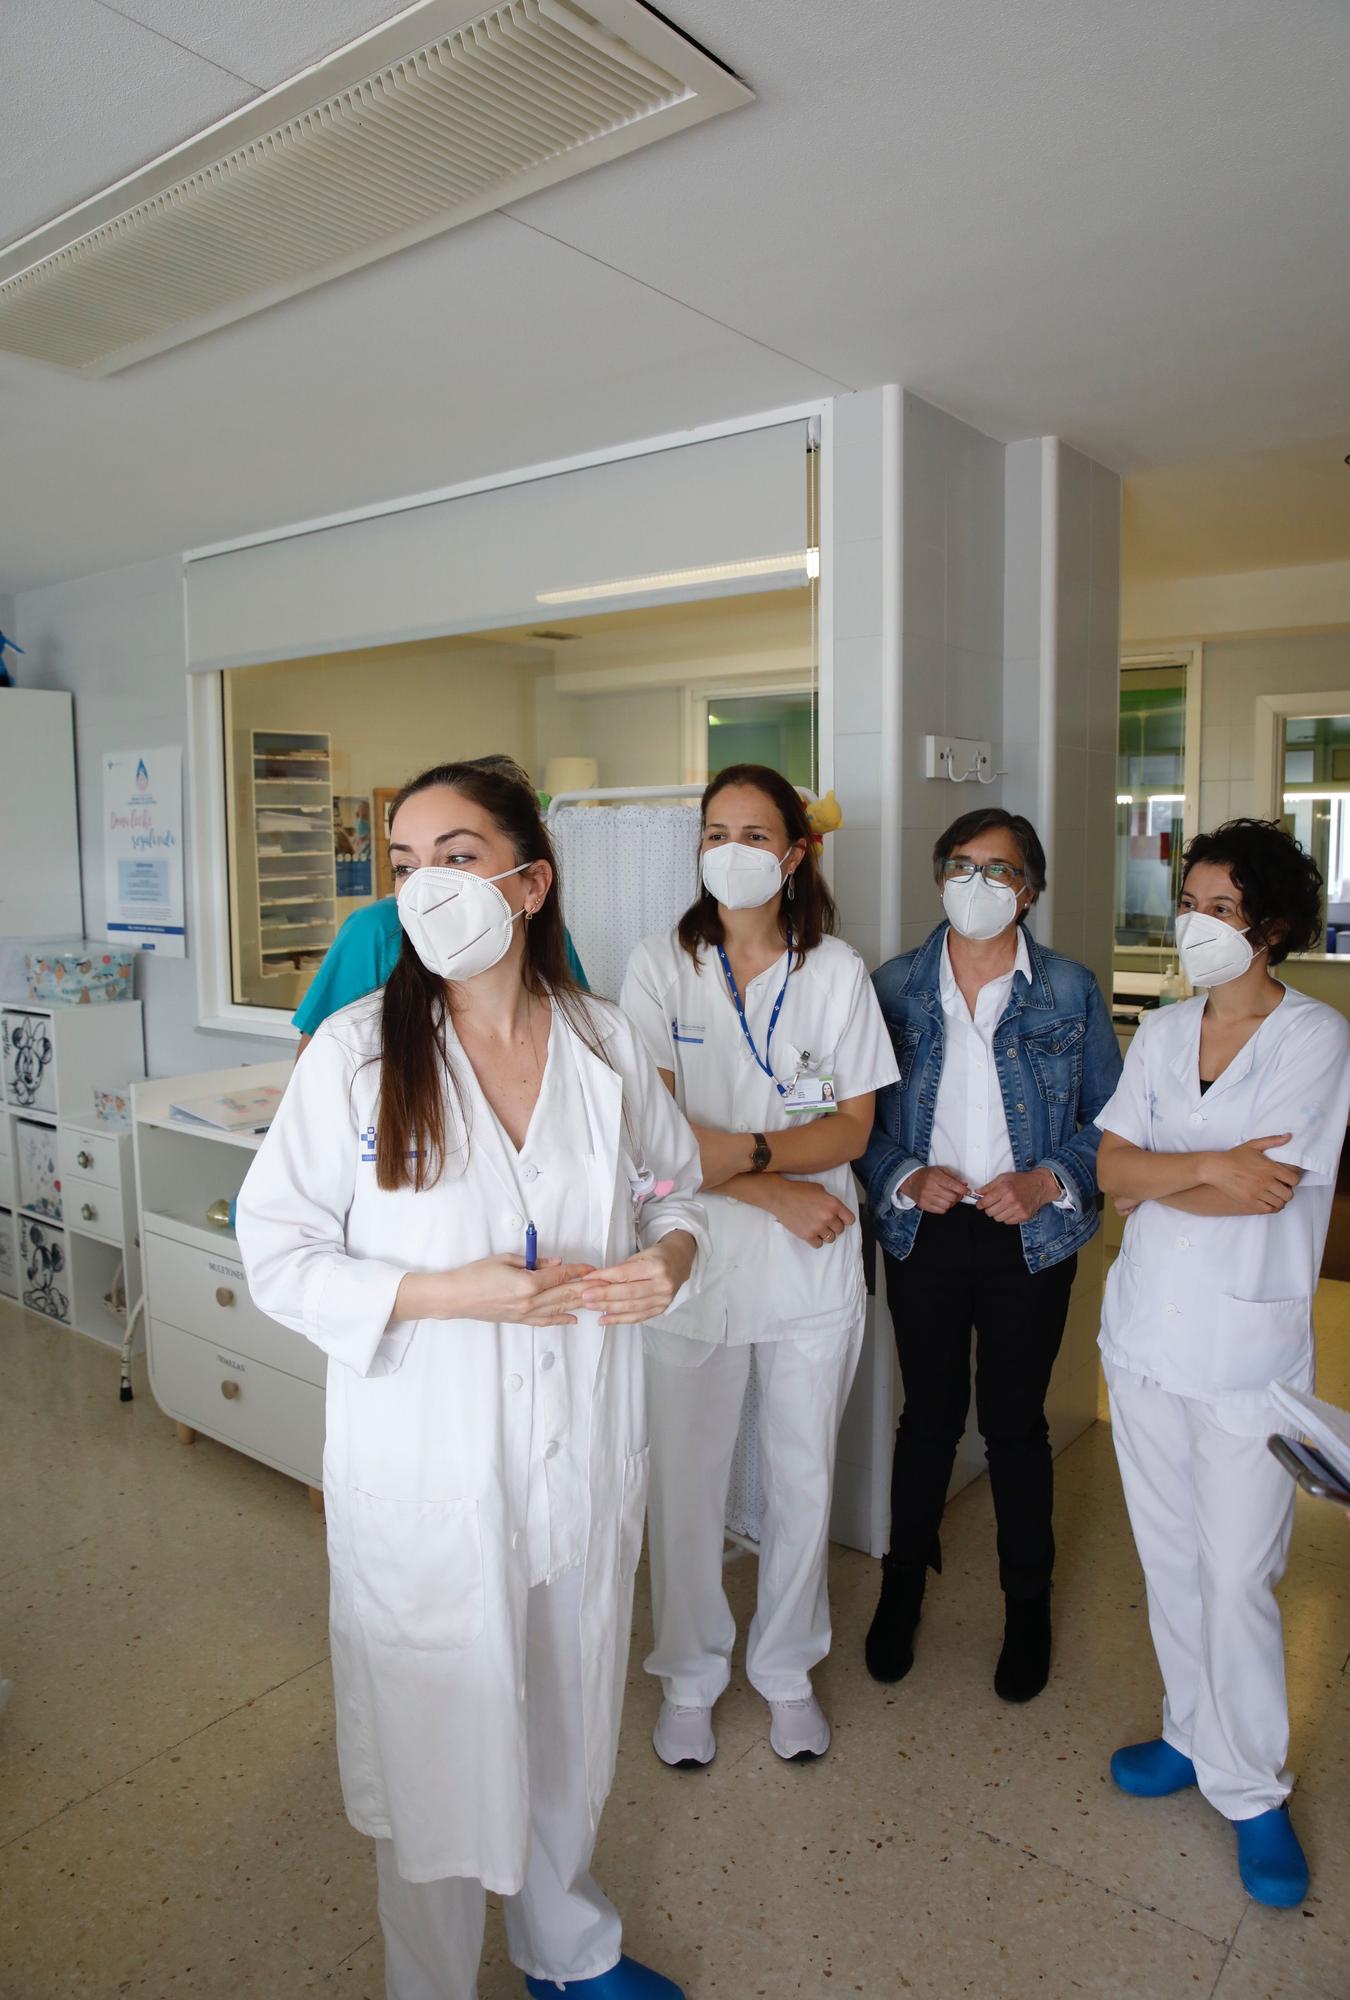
761 1156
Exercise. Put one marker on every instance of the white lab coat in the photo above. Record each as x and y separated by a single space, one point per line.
427 1459
1201 1314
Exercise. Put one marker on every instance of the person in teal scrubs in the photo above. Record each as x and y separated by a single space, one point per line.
365 950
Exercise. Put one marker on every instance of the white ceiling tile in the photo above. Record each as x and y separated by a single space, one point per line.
261 40
89 96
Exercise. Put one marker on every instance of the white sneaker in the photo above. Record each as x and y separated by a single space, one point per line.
798 1730
683 1737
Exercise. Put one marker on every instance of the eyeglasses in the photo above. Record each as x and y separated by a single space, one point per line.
1001 873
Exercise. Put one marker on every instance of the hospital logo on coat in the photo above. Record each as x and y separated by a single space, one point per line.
368 1146
686 1031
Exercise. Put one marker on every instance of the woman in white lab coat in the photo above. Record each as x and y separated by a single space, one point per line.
1221 1143
485 1469
768 1031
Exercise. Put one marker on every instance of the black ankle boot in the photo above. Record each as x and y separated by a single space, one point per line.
889 1649
1024 1664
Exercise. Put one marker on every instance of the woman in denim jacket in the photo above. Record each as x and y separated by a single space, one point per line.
980 1175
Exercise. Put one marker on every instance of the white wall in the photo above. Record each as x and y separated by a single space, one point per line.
1244 601
115 641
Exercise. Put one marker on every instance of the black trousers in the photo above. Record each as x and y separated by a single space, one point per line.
967 1272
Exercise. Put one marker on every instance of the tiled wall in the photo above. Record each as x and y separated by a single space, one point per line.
965 660
952 633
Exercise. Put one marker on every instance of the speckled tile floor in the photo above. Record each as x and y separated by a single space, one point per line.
170 1823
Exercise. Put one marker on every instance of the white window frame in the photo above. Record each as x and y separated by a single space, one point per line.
217 1010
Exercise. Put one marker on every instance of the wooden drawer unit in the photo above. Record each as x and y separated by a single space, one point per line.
241 1402
92 1156
207 1295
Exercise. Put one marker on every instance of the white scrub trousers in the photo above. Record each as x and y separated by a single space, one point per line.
559 1926
1212 1513
695 1390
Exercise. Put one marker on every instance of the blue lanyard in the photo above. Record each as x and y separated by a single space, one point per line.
762 1060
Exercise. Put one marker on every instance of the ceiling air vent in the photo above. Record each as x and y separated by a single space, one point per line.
428 121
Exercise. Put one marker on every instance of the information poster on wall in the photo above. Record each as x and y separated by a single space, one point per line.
351 845
143 850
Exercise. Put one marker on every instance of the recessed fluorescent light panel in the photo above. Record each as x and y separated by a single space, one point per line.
440 115
802 562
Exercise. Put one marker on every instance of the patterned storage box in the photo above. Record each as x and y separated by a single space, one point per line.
43 1273
39 1173
9 1269
27 1050
80 975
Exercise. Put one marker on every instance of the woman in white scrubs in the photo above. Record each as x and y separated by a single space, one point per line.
474 1189
1221 1143
768 1031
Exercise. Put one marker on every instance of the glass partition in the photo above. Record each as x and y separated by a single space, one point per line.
1315 783
1150 803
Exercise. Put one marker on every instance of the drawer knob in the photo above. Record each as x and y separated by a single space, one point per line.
88 1211
224 1296
229 1390
85 1160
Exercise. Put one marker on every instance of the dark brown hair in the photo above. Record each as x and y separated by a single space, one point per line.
1280 884
412 1141
986 819
811 914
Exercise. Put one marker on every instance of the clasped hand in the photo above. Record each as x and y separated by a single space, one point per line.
500 1290
1011 1198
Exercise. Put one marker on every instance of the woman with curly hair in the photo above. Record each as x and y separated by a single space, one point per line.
1221 1145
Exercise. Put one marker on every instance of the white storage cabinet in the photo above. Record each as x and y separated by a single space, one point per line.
67 1187
218 1365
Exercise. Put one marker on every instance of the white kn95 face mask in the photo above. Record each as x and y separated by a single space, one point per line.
978 909
459 924
742 878
1211 951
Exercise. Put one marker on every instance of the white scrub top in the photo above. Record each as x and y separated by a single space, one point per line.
762 1282
1218 1307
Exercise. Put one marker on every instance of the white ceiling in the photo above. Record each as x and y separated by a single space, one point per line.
1124 224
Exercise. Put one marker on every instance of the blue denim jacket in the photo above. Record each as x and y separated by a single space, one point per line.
1058 1063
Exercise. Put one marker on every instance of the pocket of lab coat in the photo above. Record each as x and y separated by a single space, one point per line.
417 1571
1254 1342
633 1511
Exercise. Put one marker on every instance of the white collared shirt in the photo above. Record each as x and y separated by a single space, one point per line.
762 1282
1218 1307
970 1125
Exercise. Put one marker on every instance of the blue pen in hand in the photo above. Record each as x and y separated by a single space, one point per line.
531 1247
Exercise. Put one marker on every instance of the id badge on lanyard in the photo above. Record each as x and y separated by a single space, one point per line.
763 1060
813 1094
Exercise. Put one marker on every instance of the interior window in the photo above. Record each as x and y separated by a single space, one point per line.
318 747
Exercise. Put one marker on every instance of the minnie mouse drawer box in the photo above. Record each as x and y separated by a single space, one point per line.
28 1049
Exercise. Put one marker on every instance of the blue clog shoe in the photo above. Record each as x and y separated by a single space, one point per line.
1270 1860
626 1981
1152 1770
